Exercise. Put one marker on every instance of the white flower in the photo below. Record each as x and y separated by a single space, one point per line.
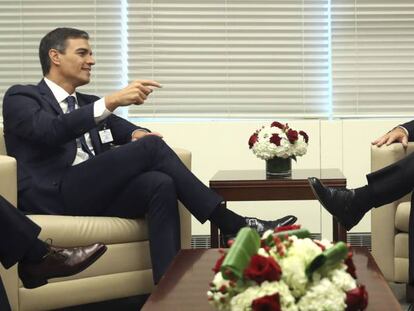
293 273
324 291
244 300
216 297
272 141
323 296
342 279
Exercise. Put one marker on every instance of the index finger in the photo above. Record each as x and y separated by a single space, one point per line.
150 83
380 141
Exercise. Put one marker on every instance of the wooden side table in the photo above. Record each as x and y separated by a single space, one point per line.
253 185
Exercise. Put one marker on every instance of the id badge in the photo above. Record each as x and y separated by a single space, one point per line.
106 136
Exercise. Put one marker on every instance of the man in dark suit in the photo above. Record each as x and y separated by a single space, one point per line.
37 260
61 140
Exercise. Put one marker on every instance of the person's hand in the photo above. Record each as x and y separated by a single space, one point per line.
395 135
139 134
133 94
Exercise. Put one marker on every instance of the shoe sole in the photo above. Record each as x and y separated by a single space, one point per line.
320 201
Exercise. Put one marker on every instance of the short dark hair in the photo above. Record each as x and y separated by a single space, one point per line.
56 39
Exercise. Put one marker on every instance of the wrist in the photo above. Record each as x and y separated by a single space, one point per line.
111 102
403 129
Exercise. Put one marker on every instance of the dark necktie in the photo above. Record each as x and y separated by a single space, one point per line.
71 100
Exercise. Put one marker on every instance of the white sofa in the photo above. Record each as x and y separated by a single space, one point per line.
124 270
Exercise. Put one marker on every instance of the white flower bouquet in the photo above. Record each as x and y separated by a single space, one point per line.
278 140
285 271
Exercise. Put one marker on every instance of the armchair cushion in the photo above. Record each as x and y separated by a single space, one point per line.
402 216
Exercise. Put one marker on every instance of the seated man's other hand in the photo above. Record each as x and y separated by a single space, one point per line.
139 134
397 134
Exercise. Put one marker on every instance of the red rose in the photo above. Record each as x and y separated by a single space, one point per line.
292 135
252 140
356 299
263 269
278 125
218 264
267 303
275 139
305 136
350 265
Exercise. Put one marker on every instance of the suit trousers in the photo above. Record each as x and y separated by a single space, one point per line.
4 302
141 178
17 234
392 182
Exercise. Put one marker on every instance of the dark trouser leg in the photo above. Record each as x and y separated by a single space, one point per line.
392 182
153 193
4 302
18 234
90 187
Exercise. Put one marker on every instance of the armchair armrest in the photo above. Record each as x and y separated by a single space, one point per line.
8 189
8 180
383 219
185 216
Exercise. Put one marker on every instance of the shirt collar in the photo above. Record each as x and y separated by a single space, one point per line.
59 93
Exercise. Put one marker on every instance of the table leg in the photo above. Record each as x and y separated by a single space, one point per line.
339 232
214 238
214 234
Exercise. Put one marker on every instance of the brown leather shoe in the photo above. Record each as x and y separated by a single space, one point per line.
59 262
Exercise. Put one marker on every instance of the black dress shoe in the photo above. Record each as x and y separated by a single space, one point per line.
338 202
59 262
260 226
263 225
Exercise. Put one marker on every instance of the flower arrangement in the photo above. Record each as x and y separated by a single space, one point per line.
285 271
278 140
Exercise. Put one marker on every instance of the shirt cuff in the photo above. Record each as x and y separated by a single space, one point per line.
100 112
404 129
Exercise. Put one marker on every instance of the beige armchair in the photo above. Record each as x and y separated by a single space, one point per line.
124 270
389 223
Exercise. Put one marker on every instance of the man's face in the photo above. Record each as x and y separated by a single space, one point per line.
76 62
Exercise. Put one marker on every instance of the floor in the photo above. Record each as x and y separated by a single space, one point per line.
399 292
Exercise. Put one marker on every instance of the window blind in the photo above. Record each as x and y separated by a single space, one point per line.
373 57
24 22
231 58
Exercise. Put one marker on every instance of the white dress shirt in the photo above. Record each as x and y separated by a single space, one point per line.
99 112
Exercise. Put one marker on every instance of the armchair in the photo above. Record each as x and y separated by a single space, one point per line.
389 223
124 270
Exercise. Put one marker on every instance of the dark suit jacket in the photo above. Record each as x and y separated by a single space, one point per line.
43 140
410 128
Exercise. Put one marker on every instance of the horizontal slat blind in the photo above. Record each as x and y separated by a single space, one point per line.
23 23
373 57
228 58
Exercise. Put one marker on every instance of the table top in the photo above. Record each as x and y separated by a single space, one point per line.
260 175
254 185
186 282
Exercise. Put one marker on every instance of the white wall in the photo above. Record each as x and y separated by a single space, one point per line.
217 145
